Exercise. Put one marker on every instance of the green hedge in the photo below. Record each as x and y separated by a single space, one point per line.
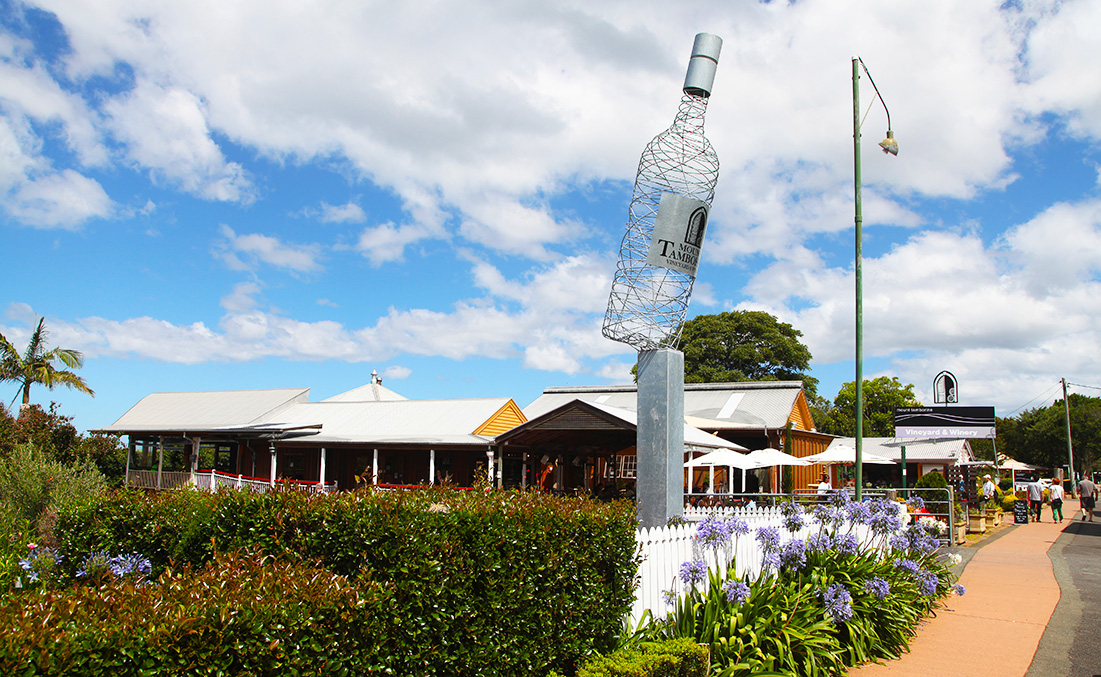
669 658
497 583
238 615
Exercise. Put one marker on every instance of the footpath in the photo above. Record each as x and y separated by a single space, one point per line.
1032 607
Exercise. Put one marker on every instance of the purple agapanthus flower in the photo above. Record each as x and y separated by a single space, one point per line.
771 560
737 592
839 603
712 533
846 544
859 513
819 542
927 583
794 522
793 554
826 514
878 587
916 502
693 571
908 565
737 527
769 538
959 589
133 566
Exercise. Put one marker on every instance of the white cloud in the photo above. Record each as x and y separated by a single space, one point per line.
345 213
386 242
63 200
397 372
164 129
244 252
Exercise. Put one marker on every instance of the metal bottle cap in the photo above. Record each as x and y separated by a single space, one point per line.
702 65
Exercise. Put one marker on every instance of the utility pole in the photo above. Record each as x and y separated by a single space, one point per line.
1070 446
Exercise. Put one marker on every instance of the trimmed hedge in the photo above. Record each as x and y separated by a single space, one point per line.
670 658
478 583
239 615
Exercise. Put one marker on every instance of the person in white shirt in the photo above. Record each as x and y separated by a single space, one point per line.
988 489
824 487
1035 499
1055 495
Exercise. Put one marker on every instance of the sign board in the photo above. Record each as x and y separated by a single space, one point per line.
678 234
1020 512
945 422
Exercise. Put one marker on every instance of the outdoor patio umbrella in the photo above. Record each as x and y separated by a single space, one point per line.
842 454
727 458
770 457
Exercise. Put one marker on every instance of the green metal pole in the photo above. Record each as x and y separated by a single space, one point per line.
905 494
859 286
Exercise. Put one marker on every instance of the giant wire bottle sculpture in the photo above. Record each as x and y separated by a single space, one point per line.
668 216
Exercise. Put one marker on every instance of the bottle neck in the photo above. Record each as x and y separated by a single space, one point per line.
690 115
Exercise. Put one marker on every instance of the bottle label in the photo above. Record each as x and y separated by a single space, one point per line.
678 233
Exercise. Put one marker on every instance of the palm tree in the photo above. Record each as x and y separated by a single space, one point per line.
36 365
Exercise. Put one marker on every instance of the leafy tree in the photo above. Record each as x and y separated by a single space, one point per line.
744 345
37 365
881 396
1039 436
54 436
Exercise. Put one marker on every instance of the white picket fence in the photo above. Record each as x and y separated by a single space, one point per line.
664 549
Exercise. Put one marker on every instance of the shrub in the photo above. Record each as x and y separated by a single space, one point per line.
668 658
511 582
267 617
935 501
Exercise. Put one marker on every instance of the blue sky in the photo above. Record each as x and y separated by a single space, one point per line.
210 195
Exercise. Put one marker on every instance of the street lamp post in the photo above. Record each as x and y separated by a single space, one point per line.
889 145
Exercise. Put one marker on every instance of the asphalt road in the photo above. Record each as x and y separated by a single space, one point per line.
1071 645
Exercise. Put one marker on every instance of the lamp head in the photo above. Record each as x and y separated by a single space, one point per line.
889 145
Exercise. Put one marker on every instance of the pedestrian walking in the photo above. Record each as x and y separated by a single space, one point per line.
1087 492
1035 499
1056 497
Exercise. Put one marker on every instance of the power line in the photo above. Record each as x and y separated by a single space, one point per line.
1079 385
1057 385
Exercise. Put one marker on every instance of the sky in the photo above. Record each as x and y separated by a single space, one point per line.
212 195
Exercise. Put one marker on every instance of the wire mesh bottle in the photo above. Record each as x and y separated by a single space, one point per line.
674 187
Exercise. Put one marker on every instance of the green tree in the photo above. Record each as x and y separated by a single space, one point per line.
744 345
37 364
1039 436
881 396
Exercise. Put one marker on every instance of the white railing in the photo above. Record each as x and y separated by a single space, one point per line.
664 549
147 479
212 480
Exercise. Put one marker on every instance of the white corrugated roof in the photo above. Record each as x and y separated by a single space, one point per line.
693 437
207 410
396 422
947 451
748 404
370 392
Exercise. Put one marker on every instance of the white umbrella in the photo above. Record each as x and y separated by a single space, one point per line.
723 457
770 457
727 457
843 454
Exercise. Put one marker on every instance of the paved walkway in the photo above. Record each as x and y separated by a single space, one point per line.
997 626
